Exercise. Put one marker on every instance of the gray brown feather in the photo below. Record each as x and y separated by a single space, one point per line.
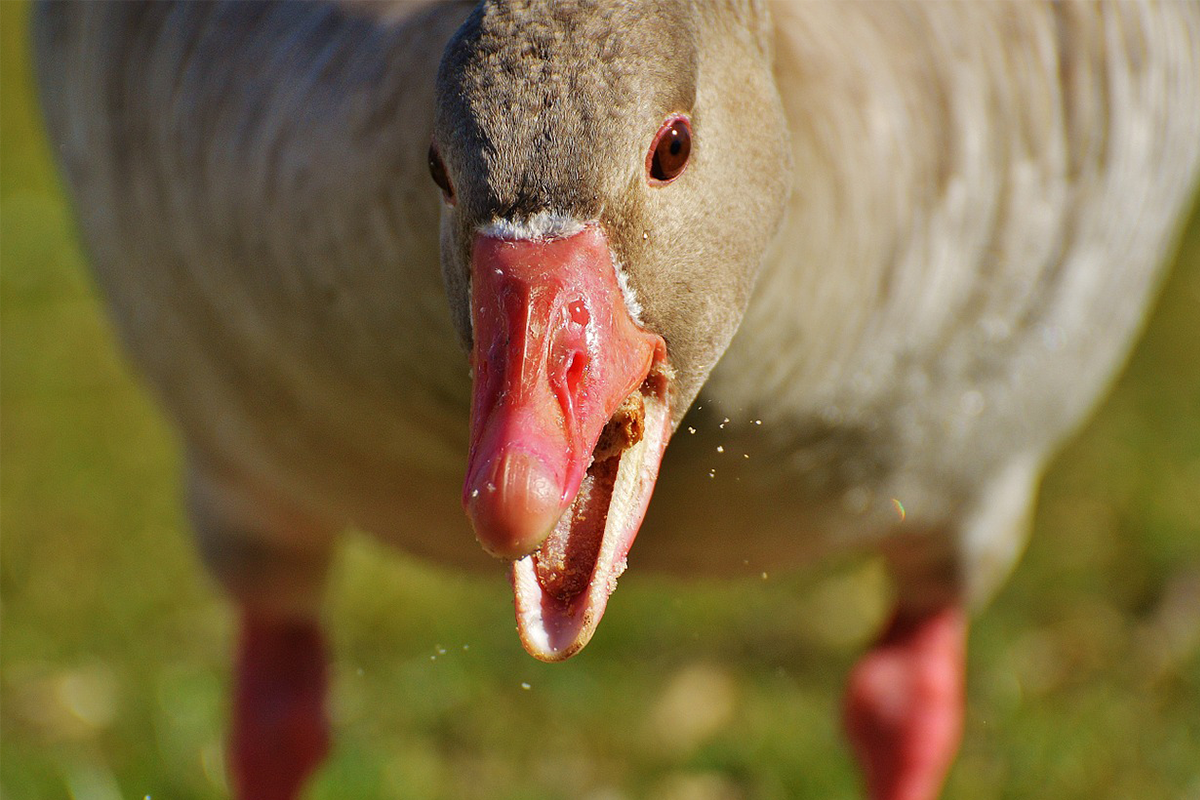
968 205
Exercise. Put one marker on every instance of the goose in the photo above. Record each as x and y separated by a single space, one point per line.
384 263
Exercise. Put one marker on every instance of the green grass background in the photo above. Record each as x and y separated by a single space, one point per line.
1084 674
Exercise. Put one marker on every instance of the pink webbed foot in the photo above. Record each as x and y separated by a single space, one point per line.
280 731
904 704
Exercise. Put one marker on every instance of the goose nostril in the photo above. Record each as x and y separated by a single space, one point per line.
579 313
575 373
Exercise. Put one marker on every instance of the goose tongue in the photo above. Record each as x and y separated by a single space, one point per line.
562 589
569 419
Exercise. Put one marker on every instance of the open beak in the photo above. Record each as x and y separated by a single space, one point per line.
569 420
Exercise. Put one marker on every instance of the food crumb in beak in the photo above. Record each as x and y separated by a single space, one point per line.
624 429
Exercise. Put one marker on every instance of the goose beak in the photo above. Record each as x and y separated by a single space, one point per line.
569 419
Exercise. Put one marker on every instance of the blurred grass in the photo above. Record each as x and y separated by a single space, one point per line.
1084 675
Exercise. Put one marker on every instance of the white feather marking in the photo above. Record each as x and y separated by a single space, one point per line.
631 301
542 225
552 225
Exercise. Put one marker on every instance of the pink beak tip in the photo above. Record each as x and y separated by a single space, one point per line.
513 504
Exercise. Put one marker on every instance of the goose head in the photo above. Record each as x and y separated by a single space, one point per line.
611 174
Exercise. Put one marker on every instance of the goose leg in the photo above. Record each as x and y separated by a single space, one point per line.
904 700
280 732
273 562
904 703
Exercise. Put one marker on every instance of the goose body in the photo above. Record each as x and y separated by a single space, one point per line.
935 228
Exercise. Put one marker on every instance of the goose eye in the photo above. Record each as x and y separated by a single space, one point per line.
437 170
669 153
